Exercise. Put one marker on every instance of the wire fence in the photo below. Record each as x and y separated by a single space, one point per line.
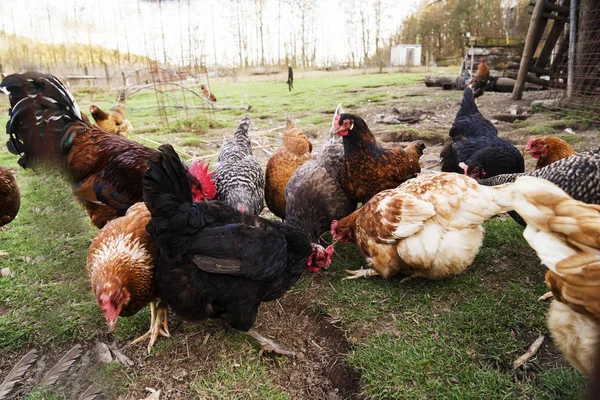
585 99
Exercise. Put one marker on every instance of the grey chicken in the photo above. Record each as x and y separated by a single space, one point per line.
314 198
578 175
239 178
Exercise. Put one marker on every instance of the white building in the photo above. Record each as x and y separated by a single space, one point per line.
405 55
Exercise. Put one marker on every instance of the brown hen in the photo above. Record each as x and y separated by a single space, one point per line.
10 197
565 233
548 149
114 120
368 168
296 151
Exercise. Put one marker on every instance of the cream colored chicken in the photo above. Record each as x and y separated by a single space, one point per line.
429 226
565 233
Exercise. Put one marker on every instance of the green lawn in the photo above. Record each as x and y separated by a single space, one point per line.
449 339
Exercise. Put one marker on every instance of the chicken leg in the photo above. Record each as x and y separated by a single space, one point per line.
159 325
360 273
269 346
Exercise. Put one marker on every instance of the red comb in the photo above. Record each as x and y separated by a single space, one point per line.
200 171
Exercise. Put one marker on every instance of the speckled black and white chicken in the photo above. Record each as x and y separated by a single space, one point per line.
578 176
239 179
314 198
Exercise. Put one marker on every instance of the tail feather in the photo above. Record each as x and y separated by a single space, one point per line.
42 108
166 183
467 106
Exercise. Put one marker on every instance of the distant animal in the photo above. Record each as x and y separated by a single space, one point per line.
314 198
296 151
214 260
10 197
565 234
429 226
106 170
239 178
290 79
578 176
368 168
207 94
114 120
475 147
548 149
480 81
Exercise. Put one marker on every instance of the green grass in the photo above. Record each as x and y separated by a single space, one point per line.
453 338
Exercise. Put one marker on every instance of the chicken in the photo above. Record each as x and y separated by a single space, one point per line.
314 198
296 151
120 264
368 168
106 170
548 149
475 148
238 176
113 120
565 234
215 260
480 81
10 197
207 94
428 227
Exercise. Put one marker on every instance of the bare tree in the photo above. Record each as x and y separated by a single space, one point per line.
365 34
259 14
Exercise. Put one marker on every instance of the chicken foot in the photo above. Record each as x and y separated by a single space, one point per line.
545 296
360 273
159 325
269 346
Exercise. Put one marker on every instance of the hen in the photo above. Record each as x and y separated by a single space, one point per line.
214 259
296 151
106 170
475 147
480 81
369 168
314 198
565 233
239 178
113 120
548 149
428 227
207 94
120 264
10 197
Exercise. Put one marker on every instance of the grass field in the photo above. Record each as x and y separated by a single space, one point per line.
448 339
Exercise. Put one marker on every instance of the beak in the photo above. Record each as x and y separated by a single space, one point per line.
527 150
112 325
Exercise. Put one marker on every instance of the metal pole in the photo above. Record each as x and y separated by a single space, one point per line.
572 42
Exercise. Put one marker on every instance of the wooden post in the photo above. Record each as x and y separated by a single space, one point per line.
572 40
528 51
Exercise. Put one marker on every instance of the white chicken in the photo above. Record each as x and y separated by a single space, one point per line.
429 226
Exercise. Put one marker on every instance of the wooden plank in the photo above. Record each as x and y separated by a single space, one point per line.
543 60
552 7
555 17
528 78
530 46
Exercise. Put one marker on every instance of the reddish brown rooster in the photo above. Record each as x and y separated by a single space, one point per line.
106 169
479 82
548 149
369 168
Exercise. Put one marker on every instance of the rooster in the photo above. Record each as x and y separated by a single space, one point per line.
314 198
10 197
548 149
428 227
296 151
113 120
214 260
480 81
475 148
368 168
565 233
238 176
106 170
